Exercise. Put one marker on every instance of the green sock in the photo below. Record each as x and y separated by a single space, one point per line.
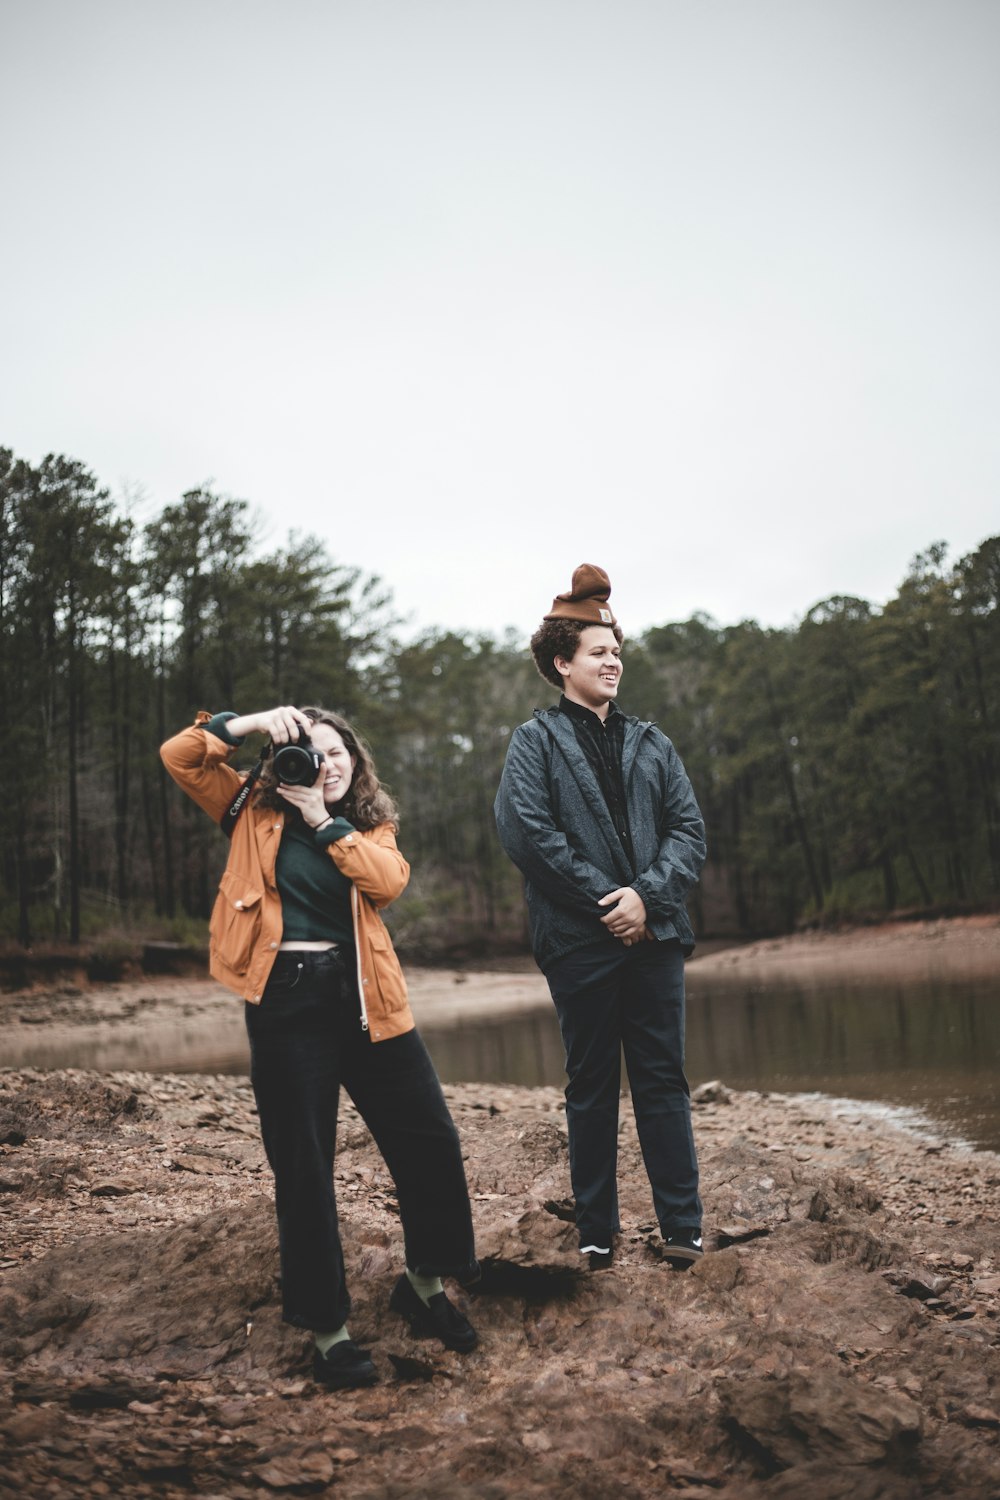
325 1341
425 1287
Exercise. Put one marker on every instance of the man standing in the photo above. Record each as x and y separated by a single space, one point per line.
597 812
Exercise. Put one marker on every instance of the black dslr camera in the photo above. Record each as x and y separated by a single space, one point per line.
297 764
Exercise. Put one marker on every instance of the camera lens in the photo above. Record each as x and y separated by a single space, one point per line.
295 766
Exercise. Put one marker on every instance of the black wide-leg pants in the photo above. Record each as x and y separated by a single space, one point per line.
306 1040
610 998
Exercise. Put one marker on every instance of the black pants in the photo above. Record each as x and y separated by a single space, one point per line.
305 1041
609 997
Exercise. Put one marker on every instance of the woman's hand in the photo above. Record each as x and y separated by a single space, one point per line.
282 725
308 799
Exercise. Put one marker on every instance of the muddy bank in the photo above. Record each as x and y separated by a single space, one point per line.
842 1338
952 947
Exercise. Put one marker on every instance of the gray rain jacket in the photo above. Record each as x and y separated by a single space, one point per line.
554 824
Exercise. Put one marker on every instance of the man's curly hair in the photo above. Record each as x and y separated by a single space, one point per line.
560 638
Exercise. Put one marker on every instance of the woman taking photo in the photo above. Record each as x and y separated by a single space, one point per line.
296 932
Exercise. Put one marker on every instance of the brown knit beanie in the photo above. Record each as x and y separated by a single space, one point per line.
587 600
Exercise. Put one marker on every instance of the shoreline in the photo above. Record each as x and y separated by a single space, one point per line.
964 946
119 1011
174 1024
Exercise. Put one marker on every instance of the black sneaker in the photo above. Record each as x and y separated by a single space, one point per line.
684 1248
344 1365
599 1259
436 1319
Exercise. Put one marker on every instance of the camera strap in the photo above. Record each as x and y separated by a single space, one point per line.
231 815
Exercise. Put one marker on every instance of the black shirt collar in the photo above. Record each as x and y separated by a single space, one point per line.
586 715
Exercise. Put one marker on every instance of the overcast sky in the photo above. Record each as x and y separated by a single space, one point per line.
703 291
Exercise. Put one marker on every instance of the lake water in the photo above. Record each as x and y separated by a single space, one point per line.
932 1047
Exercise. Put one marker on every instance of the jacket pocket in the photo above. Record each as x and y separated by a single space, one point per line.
236 921
386 969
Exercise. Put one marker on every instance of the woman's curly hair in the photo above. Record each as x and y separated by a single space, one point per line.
367 803
560 638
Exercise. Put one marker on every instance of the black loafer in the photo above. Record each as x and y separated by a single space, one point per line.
436 1319
344 1365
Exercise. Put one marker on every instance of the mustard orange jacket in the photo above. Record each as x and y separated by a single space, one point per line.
246 924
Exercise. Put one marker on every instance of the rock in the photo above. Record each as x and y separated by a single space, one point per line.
32 1427
189 1162
819 1415
979 1416
731 1234
113 1396
711 1093
721 1271
833 1481
819 1207
307 1466
530 1237
153 1360
860 1245
923 1287
407 1368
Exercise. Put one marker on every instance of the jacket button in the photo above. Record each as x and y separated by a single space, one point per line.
277 825
274 945
256 999
364 981
238 905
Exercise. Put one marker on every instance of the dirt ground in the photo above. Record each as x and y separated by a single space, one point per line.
840 1340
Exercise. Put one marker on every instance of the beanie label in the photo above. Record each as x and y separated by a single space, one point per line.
606 616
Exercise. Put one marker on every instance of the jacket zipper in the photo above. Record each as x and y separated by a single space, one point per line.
357 955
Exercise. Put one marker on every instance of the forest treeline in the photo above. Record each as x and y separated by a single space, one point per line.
847 766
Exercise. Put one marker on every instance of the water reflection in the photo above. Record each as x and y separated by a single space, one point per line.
525 1048
933 1046
199 1045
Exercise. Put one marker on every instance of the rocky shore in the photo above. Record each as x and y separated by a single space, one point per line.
841 1338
